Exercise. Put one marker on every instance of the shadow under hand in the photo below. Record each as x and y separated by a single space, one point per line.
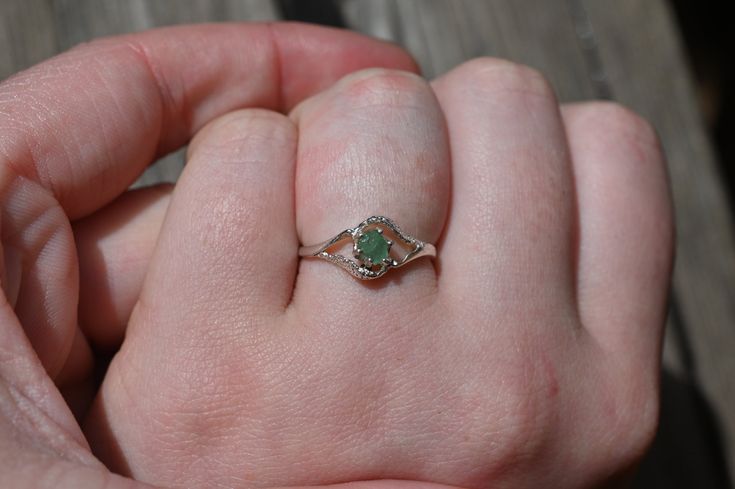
687 451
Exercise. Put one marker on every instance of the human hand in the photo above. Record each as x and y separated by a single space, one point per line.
527 355
74 133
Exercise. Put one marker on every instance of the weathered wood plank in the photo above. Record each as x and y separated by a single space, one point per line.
81 20
166 12
27 34
441 34
646 69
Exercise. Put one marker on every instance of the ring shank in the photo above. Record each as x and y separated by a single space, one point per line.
312 250
427 249
417 249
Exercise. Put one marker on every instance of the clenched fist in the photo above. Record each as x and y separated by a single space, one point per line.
525 355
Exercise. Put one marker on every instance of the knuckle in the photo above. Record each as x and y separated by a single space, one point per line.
514 421
379 86
493 75
522 429
636 421
628 418
227 137
622 127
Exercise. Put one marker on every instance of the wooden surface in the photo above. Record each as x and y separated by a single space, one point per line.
627 50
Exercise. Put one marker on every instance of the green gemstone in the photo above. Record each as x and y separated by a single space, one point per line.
374 246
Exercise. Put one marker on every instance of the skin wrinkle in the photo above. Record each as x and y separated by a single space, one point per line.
166 101
38 161
73 138
11 161
44 114
107 145
56 440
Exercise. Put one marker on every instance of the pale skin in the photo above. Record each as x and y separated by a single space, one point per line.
526 355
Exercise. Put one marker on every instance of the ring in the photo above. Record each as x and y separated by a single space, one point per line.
370 248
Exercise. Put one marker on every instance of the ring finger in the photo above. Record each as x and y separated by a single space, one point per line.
373 144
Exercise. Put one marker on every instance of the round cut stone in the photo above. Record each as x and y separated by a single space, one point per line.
373 245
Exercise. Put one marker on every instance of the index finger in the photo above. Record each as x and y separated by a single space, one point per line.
86 123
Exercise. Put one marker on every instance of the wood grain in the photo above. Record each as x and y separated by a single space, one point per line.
441 34
27 34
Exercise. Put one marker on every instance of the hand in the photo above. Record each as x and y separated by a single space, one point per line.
526 356
75 132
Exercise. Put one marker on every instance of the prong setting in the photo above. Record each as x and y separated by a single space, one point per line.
371 251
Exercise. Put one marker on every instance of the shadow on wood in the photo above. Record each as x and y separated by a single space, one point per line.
688 451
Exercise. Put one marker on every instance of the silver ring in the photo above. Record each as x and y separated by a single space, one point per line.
370 248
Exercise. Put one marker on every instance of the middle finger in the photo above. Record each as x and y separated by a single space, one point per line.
510 234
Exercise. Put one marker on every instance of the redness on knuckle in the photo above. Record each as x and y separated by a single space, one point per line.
252 131
623 127
511 425
384 87
490 76
247 137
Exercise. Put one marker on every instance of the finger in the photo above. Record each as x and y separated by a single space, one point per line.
28 396
79 364
74 380
115 245
221 274
512 205
626 231
78 129
374 144
45 292
229 234
94 117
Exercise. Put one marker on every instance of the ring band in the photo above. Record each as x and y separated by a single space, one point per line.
371 249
